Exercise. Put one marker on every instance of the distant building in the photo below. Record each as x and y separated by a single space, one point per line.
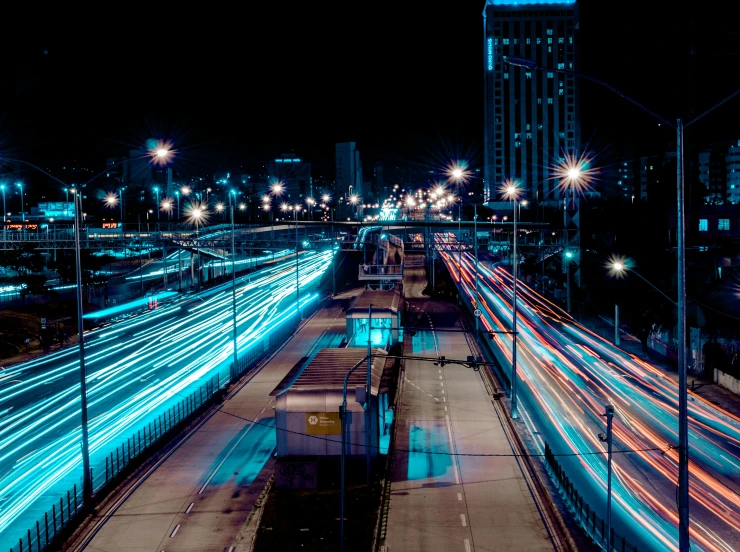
380 188
348 181
294 173
531 117
713 174
649 174
732 161
137 170
348 169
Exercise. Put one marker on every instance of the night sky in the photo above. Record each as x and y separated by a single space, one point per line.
402 79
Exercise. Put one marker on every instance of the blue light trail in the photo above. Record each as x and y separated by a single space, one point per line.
567 374
137 368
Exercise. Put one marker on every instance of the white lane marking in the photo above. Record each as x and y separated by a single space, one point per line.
174 531
223 461
231 549
440 377
440 371
452 448
467 545
189 508
445 408
444 398
463 520
459 496
442 383
420 389
263 410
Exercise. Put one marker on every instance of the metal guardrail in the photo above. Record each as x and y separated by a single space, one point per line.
594 525
381 272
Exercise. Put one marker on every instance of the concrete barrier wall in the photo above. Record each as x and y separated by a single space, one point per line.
727 381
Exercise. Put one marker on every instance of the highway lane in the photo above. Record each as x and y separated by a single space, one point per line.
137 368
567 374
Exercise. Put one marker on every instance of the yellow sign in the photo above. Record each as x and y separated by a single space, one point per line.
323 423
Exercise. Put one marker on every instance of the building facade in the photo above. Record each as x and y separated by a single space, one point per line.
732 162
531 116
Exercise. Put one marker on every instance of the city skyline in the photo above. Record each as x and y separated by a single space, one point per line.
107 90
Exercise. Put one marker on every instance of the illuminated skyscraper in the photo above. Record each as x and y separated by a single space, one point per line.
531 116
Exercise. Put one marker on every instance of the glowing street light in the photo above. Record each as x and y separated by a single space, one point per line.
161 153
326 198
167 205
185 191
277 189
110 200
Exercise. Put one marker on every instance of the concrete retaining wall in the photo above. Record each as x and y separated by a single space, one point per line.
727 381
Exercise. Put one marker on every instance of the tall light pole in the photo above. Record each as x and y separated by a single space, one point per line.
86 476
23 217
177 195
5 213
511 192
475 245
297 208
566 260
235 371
684 542
609 414
120 193
156 191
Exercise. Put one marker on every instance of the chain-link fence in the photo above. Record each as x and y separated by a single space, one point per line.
594 525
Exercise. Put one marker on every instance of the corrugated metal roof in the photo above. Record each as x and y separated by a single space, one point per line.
388 300
329 367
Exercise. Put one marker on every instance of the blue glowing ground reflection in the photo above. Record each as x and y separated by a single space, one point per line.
243 459
432 438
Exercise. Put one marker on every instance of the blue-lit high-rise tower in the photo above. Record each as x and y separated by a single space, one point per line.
531 117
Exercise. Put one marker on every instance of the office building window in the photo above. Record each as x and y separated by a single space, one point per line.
723 224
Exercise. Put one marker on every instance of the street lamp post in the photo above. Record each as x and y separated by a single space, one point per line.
23 218
297 208
609 414
568 256
235 371
5 237
86 476
177 195
156 191
511 191
683 428
120 194
475 245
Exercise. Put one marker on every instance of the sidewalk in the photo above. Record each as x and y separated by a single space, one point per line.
706 389
200 496
441 499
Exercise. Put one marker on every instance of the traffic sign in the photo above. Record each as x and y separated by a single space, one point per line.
477 312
